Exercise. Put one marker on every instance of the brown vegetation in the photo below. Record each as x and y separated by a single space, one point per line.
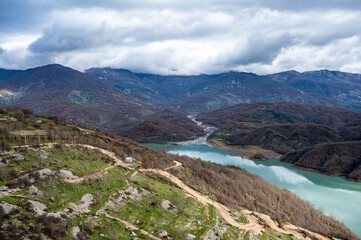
235 187
167 126
337 159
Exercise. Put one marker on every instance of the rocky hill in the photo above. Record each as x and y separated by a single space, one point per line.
164 127
59 181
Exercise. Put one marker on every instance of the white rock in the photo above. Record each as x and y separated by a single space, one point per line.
75 232
162 233
169 207
190 236
129 159
17 157
38 207
5 191
87 200
65 174
34 191
55 215
8 208
45 173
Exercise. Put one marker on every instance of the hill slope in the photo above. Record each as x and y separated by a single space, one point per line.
164 127
317 133
336 159
91 185
79 97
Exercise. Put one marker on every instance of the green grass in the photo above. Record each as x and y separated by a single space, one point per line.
242 219
44 120
77 160
101 188
27 127
192 216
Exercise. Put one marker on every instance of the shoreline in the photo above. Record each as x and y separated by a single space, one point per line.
248 152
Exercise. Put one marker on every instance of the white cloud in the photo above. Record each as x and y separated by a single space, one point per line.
190 36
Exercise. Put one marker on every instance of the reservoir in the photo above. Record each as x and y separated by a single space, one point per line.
334 195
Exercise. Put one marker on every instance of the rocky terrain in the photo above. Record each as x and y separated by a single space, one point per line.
69 182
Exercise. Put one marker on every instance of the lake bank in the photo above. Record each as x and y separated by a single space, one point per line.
335 195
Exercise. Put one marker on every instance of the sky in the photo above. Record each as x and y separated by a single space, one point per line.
182 37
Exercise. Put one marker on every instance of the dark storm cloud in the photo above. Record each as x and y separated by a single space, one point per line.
191 36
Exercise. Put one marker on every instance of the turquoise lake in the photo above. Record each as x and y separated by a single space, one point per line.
334 195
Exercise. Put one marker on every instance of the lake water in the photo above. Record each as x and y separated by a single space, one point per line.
335 195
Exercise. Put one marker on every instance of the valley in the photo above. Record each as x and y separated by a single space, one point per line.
189 111
78 183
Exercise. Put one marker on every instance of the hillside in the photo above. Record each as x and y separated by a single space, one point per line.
164 127
283 138
351 131
282 112
77 183
336 159
62 91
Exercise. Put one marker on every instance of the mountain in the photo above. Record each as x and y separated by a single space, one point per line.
79 97
203 92
75 183
336 159
167 126
341 86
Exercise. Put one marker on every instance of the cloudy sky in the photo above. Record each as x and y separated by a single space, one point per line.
182 36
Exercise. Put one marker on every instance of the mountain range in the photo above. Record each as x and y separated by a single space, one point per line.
115 99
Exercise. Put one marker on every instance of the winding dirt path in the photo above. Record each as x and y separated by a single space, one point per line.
223 211
132 226
177 164
117 162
